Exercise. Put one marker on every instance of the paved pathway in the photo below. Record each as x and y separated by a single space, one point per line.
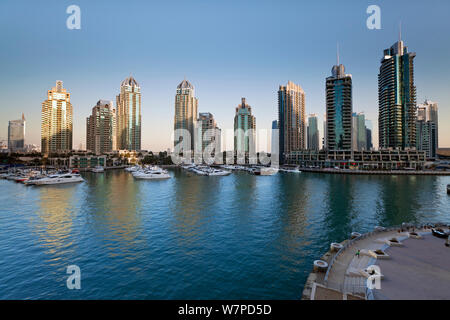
420 269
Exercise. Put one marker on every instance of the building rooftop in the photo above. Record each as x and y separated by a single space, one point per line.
130 81
185 85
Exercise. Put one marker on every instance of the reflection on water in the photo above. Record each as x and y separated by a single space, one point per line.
193 237
55 215
114 202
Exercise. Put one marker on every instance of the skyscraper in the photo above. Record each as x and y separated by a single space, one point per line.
426 137
427 128
101 128
325 128
431 114
56 121
208 134
313 132
16 134
359 134
129 115
274 148
291 119
397 98
186 105
369 128
244 129
339 109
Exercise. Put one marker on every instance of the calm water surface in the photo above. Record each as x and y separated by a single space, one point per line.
193 237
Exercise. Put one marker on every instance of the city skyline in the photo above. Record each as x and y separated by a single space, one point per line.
251 75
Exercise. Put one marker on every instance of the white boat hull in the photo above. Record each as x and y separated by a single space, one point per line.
152 176
56 180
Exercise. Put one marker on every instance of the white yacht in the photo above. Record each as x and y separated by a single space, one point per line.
231 167
151 173
4 175
200 170
98 169
55 179
265 171
290 170
218 172
133 168
203 170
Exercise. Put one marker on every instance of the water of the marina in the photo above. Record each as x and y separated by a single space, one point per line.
194 237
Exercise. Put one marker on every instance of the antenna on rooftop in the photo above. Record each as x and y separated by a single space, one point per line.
337 53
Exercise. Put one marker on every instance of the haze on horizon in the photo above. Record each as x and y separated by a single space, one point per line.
227 50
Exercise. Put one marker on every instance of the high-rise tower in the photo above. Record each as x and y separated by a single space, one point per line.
16 134
313 132
56 121
244 129
208 134
339 109
427 128
291 119
397 98
129 115
186 110
101 128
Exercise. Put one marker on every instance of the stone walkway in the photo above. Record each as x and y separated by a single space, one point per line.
419 269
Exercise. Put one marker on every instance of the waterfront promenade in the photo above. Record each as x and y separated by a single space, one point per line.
413 268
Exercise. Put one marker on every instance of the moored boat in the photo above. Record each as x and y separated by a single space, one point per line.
133 168
155 173
265 171
55 179
290 170
98 169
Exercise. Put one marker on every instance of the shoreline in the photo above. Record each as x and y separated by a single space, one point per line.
378 172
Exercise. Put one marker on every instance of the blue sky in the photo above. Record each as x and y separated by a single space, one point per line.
227 49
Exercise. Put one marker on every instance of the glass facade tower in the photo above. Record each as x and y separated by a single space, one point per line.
397 99
339 109
313 132
244 128
16 134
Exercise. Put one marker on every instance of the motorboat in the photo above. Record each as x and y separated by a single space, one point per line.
218 172
133 168
208 171
55 179
98 169
448 189
228 167
265 171
4 175
151 173
17 177
199 170
290 170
